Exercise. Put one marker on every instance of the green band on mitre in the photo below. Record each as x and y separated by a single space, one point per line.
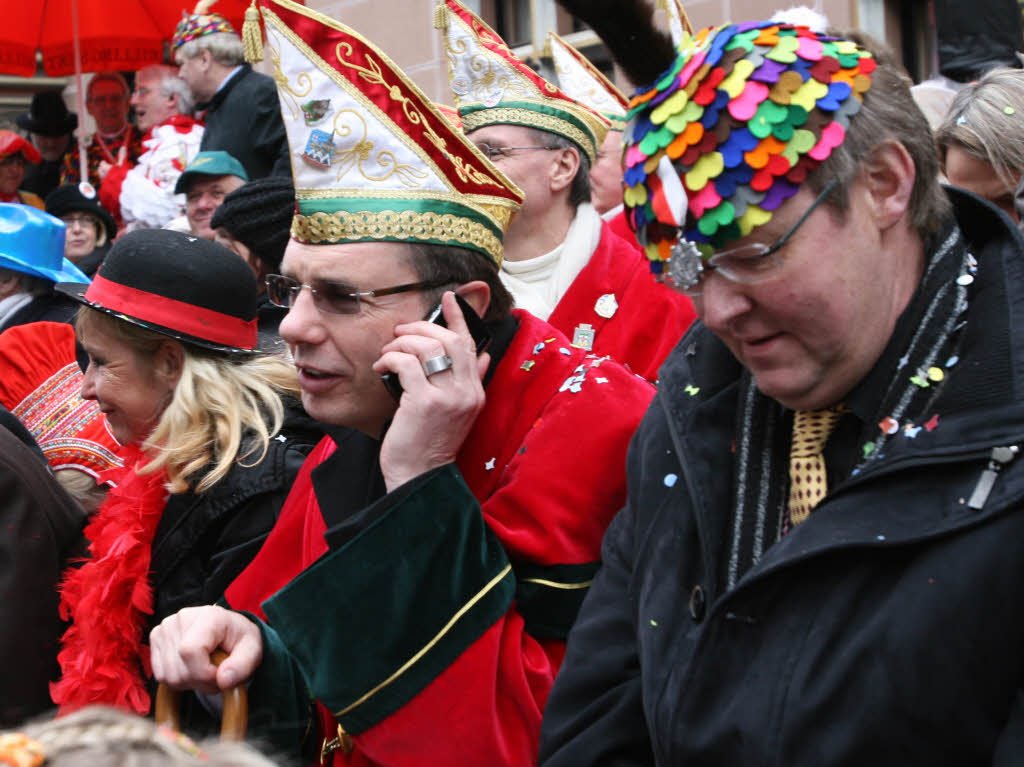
429 221
533 115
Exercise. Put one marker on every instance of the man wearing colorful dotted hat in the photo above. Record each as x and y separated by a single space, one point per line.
241 114
431 558
826 500
562 262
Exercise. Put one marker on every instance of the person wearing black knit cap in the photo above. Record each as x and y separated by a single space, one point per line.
255 221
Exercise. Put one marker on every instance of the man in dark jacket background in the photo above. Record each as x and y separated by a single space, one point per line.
822 552
242 113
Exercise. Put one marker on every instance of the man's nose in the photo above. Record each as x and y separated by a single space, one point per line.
721 302
303 323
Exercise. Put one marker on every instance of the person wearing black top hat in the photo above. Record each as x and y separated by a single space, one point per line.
49 124
90 228
255 222
170 331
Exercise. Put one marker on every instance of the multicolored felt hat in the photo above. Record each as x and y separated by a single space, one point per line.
492 86
199 24
579 78
41 384
730 131
372 158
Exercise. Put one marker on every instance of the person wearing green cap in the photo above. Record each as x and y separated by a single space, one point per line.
819 560
206 181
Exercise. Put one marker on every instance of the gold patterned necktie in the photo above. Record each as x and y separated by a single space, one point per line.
808 483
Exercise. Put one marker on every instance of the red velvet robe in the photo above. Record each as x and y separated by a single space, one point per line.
545 463
649 319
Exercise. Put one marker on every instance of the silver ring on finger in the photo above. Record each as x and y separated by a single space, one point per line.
437 364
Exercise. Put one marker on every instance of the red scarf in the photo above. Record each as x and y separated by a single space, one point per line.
108 598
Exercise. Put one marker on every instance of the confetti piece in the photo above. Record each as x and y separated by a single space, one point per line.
911 431
936 374
565 351
693 391
952 361
654 623
670 480
964 279
919 380
528 365
931 423
538 348
1009 110
889 425
601 380
868 448
489 465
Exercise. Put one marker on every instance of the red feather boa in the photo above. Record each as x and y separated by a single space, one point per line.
108 598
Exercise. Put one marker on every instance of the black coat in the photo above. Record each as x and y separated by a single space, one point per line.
204 541
244 120
40 529
884 630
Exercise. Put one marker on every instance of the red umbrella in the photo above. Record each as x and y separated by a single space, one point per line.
125 35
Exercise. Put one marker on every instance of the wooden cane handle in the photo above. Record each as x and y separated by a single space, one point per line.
234 719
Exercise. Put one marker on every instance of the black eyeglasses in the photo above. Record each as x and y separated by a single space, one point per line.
497 152
334 297
748 263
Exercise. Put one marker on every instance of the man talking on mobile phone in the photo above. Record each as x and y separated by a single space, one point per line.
430 560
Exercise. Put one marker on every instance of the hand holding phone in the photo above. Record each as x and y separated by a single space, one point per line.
477 329
436 409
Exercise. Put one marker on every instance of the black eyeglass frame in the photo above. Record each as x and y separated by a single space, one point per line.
293 287
694 269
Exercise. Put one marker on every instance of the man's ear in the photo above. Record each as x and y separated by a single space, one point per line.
888 177
477 294
563 171
169 361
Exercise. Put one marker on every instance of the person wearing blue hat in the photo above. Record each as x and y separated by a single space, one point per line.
31 261
207 179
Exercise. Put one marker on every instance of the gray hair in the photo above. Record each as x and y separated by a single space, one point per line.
170 85
579 192
986 120
888 113
225 48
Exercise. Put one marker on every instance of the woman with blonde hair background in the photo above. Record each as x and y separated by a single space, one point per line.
169 325
981 140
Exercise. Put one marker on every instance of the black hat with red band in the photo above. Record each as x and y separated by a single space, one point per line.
182 286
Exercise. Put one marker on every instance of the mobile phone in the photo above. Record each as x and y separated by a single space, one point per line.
477 329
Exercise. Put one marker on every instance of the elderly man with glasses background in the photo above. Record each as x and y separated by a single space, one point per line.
562 263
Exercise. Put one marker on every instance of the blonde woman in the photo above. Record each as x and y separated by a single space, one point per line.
170 331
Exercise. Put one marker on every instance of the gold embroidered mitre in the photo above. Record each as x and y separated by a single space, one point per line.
581 80
492 86
372 158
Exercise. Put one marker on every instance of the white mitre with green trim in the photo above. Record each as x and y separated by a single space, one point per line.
372 159
493 86
581 80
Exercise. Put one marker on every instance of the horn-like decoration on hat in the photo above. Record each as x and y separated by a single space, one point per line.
742 115
372 158
581 80
493 86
